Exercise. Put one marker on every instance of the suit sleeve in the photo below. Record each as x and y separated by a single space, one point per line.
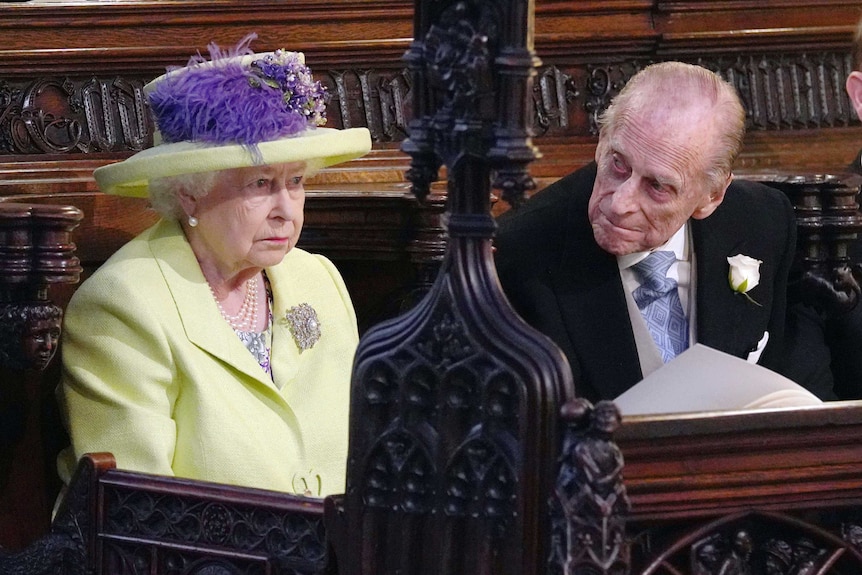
802 354
118 386
807 360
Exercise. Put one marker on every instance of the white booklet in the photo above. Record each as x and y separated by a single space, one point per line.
705 379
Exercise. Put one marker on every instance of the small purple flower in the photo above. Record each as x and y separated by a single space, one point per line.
302 95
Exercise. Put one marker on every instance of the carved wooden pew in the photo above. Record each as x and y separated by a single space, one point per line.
789 68
455 406
116 522
745 492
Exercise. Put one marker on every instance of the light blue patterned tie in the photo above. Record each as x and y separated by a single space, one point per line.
658 300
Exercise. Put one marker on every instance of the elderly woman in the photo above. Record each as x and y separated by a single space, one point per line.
210 346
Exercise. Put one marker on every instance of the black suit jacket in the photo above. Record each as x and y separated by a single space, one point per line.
561 282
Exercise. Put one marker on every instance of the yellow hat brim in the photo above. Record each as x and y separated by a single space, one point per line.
319 147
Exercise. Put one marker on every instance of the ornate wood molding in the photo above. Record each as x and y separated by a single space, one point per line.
788 96
65 107
124 523
740 490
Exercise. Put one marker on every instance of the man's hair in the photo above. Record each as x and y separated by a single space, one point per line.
678 77
857 46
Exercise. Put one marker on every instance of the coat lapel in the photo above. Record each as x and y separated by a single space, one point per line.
286 355
726 320
195 305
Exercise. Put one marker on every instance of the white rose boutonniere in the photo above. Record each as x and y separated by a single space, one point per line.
744 274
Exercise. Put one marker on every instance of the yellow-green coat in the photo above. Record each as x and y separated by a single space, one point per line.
154 375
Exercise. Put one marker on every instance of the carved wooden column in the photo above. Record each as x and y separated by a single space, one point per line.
828 222
455 426
36 252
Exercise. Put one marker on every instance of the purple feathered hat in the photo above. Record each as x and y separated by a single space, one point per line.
235 110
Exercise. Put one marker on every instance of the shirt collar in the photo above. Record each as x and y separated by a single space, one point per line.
677 243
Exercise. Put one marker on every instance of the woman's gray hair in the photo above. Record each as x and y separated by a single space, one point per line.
165 192
729 114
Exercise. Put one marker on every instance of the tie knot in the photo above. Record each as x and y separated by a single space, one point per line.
653 269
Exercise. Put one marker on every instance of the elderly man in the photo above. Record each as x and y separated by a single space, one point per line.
626 262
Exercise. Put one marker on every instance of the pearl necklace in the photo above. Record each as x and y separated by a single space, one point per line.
245 318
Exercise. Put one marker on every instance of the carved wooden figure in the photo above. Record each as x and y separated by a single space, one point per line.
590 503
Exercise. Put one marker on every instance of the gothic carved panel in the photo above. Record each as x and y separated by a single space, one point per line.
779 91
815 543
379 100
173 532
51 115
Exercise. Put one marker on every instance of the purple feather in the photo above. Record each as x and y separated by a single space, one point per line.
227 103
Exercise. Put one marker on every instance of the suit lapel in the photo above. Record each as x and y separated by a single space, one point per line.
724 318
195 305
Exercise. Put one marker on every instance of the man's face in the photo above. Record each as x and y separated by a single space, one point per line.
651 180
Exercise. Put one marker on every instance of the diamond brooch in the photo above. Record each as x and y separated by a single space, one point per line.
304 325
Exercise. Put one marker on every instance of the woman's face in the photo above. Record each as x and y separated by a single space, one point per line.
250 219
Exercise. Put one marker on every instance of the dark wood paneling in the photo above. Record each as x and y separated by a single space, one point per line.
70 70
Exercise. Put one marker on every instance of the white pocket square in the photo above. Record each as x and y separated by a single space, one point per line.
754 356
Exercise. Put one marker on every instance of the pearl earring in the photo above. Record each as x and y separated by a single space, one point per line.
193 221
